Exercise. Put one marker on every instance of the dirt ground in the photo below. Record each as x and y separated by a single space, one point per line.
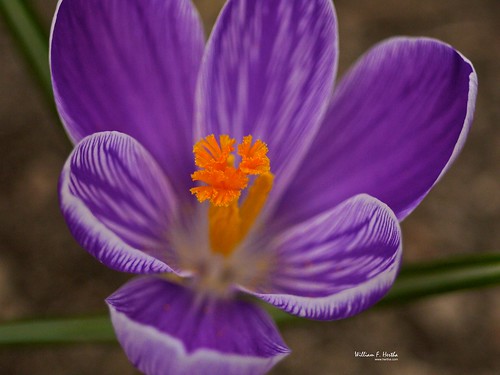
44 273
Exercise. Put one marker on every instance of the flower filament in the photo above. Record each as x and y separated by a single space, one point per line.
230 222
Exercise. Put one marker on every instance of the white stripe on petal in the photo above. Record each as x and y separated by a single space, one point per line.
165 328
336 264
118 203
133 336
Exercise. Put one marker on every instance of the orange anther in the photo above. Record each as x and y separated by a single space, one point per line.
224 186
208 153
254 158
229 223
224 182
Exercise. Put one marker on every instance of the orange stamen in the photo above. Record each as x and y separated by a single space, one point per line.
254 158
223 185
228 222
208 153
224 182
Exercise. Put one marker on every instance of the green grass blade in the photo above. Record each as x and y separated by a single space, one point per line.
32 39
415 281
58 331
444 276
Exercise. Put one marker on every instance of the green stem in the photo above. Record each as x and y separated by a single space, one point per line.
415 281
33 42
459 273
58 331
31 38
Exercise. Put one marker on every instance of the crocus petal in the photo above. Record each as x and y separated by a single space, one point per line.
130 66
165 328
396 123
338 263
268 71
117 203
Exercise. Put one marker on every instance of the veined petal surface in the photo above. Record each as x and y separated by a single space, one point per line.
268 71
130 66
166 328
336 264
397 121
118 204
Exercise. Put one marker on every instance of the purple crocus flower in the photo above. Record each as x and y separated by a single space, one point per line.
293 215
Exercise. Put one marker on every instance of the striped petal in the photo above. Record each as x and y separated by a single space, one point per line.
130 66
165 328
118 203
336 264
396 123
268 71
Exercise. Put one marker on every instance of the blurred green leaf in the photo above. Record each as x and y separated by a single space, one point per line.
57 331
415 281
32 39
33 42
443 276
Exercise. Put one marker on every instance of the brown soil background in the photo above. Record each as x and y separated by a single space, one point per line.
44 273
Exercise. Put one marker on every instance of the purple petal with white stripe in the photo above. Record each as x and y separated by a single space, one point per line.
118 203
130 66
336 264
166 328
397 121
268 71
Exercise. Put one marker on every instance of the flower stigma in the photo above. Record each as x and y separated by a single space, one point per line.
229 220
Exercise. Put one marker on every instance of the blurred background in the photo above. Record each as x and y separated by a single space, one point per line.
44 273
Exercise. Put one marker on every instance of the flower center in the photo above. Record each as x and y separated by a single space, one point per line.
229 221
